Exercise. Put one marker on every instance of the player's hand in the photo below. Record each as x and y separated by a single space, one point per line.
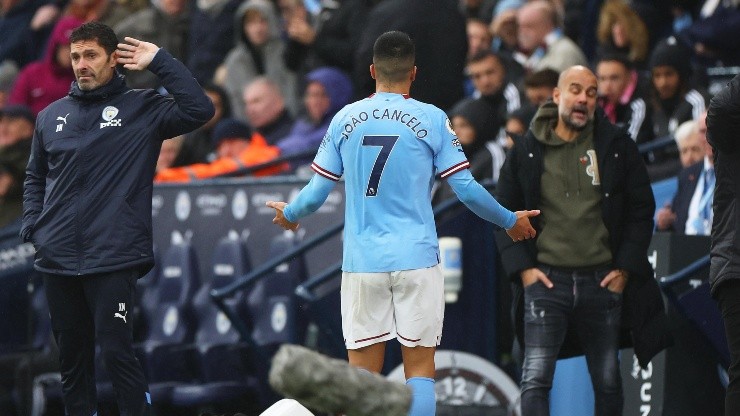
531 276
522 229
136 54
616 280
665 218
280 217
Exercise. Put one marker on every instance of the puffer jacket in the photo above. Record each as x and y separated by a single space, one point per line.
87 198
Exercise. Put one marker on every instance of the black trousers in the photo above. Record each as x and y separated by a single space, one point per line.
86 309
728 295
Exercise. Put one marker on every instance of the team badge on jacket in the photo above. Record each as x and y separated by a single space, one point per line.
109 115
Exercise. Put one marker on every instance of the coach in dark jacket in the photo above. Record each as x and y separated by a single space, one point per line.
723 125
88 199
609 181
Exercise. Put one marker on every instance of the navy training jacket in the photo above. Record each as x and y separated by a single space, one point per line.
87 198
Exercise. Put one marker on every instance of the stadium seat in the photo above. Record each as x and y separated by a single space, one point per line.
146 298
272 303
167 353
225 377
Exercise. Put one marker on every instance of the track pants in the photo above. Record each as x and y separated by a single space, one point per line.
90 308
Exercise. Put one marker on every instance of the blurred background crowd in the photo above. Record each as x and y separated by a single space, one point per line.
277 71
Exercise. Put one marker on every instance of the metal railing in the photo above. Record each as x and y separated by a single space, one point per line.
306 290
685 273
655 144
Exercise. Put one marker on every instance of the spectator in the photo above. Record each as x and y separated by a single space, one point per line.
538 86
42 82
477 133
689 141
236 147
541 41
17 40
210 37
16 131
327 91
258 52
690 211
479 9
109 12
713 35
8 73
165 23
479 38
265 110
196 147
621 98
437 28
517 123
168 153
621 30
504 26
331 41
488 74
674 100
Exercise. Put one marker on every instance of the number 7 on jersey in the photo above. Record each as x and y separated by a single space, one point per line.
386 144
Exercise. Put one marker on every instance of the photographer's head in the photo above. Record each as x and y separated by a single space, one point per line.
93 52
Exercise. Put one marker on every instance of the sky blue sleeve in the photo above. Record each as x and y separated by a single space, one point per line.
311 197
482 203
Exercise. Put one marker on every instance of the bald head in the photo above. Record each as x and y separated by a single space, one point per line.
535 20
578 72
575 96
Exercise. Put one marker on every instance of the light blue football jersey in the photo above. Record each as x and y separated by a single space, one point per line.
389 147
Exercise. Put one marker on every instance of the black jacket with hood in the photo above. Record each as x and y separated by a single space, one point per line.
627 211
87 198
723 125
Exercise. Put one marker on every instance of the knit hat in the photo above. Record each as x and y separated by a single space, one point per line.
669 52
230 128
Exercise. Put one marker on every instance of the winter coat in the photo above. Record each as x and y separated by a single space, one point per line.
627 211
723 125
245 62
306 134
88 192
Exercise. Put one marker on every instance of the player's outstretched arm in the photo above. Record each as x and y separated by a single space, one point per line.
280 219
522 228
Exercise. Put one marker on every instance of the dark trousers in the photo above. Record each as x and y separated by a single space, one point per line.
579 302
728 296
96 307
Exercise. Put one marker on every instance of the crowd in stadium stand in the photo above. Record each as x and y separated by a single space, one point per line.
255 58
650 57
284 67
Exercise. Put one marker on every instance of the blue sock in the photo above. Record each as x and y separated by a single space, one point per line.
423 402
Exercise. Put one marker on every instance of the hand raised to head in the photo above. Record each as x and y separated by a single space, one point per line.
135 54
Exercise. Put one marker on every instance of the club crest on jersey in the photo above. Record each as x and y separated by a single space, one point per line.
109 115
448 124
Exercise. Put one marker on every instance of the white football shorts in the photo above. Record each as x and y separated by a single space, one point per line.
408 305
